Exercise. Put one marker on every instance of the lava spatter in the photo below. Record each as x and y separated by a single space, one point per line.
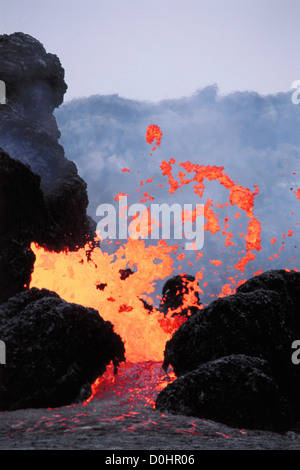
238 195
76 277
153 133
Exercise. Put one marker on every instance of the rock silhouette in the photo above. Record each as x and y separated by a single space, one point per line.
261 320
236 390
54 350
173 293
35 86
23 218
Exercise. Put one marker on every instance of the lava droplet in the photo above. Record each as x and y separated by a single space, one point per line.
153 133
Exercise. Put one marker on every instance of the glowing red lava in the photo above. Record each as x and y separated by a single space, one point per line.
153 133
75 277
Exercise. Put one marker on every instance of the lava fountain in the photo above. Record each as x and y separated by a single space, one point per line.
118 284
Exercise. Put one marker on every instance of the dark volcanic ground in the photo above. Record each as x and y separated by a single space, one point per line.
122 417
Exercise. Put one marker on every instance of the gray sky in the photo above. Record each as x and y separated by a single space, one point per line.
158 49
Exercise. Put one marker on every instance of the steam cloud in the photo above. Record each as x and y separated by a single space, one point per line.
255 138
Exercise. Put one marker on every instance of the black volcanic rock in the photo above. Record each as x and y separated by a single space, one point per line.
54 350
261 320
237 390
23 213
16 267
35 86
173 293
285 283
23 218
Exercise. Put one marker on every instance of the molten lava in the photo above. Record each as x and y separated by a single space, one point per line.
153 133
239 195
91 277
121 285
76 277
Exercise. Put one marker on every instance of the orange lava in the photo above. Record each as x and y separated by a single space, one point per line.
76 278
119 285
153 133
238 195
92 277
133 384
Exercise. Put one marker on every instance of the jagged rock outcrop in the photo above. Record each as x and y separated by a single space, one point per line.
261 320
54 350
35 86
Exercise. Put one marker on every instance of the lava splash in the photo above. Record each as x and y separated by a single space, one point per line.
117 285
